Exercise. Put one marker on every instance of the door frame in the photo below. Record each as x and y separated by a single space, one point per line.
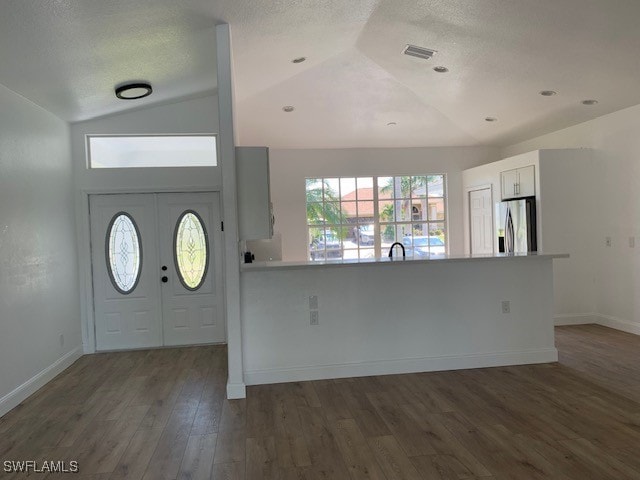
476 188
85 265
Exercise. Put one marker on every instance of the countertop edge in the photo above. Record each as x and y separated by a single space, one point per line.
279 265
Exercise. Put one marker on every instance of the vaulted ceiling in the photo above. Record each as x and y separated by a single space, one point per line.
68 55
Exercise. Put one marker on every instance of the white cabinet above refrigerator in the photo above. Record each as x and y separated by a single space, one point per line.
518 182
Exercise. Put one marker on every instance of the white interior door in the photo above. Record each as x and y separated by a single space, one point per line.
190 255
157 270
125 272
481 221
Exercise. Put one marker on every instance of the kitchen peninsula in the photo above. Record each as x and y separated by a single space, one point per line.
388 316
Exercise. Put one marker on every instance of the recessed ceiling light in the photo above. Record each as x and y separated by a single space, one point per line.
490 119
298 60
133 91
590 102
392 124
441 69
548 93
288 108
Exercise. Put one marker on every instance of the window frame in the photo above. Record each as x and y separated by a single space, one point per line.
378 224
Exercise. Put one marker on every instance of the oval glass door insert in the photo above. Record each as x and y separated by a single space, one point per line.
191 250
124 253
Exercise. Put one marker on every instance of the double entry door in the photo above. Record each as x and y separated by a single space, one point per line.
156 262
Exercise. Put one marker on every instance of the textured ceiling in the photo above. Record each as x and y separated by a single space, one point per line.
67 56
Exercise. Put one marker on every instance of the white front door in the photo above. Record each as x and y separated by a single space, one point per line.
125 272
189 227
156 270
481 221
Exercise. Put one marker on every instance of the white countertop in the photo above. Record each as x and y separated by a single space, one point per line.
280 265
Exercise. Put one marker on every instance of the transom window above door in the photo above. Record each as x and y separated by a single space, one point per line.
151 151
361 217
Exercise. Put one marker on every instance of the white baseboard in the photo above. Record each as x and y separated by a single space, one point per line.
28 388
575 319
597 319
618 324
236 391
409 365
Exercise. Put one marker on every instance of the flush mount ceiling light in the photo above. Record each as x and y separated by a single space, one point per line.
490 119
288 108
441 69
133 91
590 102
420 52
548 93
298 60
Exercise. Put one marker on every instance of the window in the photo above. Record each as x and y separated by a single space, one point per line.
360 217
124 253
191 250
152 151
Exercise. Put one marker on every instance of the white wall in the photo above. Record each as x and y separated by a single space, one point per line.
289 168
38 266
615 142
395 317
198 115
567 223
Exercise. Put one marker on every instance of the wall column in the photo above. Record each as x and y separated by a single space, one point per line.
235 383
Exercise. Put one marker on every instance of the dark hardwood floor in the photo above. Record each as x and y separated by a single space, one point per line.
161 414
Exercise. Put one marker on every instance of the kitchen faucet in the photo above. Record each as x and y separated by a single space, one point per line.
391 250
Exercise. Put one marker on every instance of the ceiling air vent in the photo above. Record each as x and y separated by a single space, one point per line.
419 52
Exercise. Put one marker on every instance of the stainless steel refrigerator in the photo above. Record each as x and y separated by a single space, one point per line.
516 222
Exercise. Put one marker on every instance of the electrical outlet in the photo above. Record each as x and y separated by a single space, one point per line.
313 316
313 302
506 306
632 242
607 241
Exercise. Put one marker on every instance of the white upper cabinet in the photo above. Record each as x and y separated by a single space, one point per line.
519 182
255 216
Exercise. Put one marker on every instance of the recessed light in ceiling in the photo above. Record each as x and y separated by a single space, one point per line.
441 69
548 93
392 124
590 102
420 52
288 108
490 119
298 60
133 91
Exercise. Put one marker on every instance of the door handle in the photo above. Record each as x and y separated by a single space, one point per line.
165 279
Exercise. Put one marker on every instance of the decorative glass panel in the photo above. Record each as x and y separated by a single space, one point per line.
124 253
191 250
